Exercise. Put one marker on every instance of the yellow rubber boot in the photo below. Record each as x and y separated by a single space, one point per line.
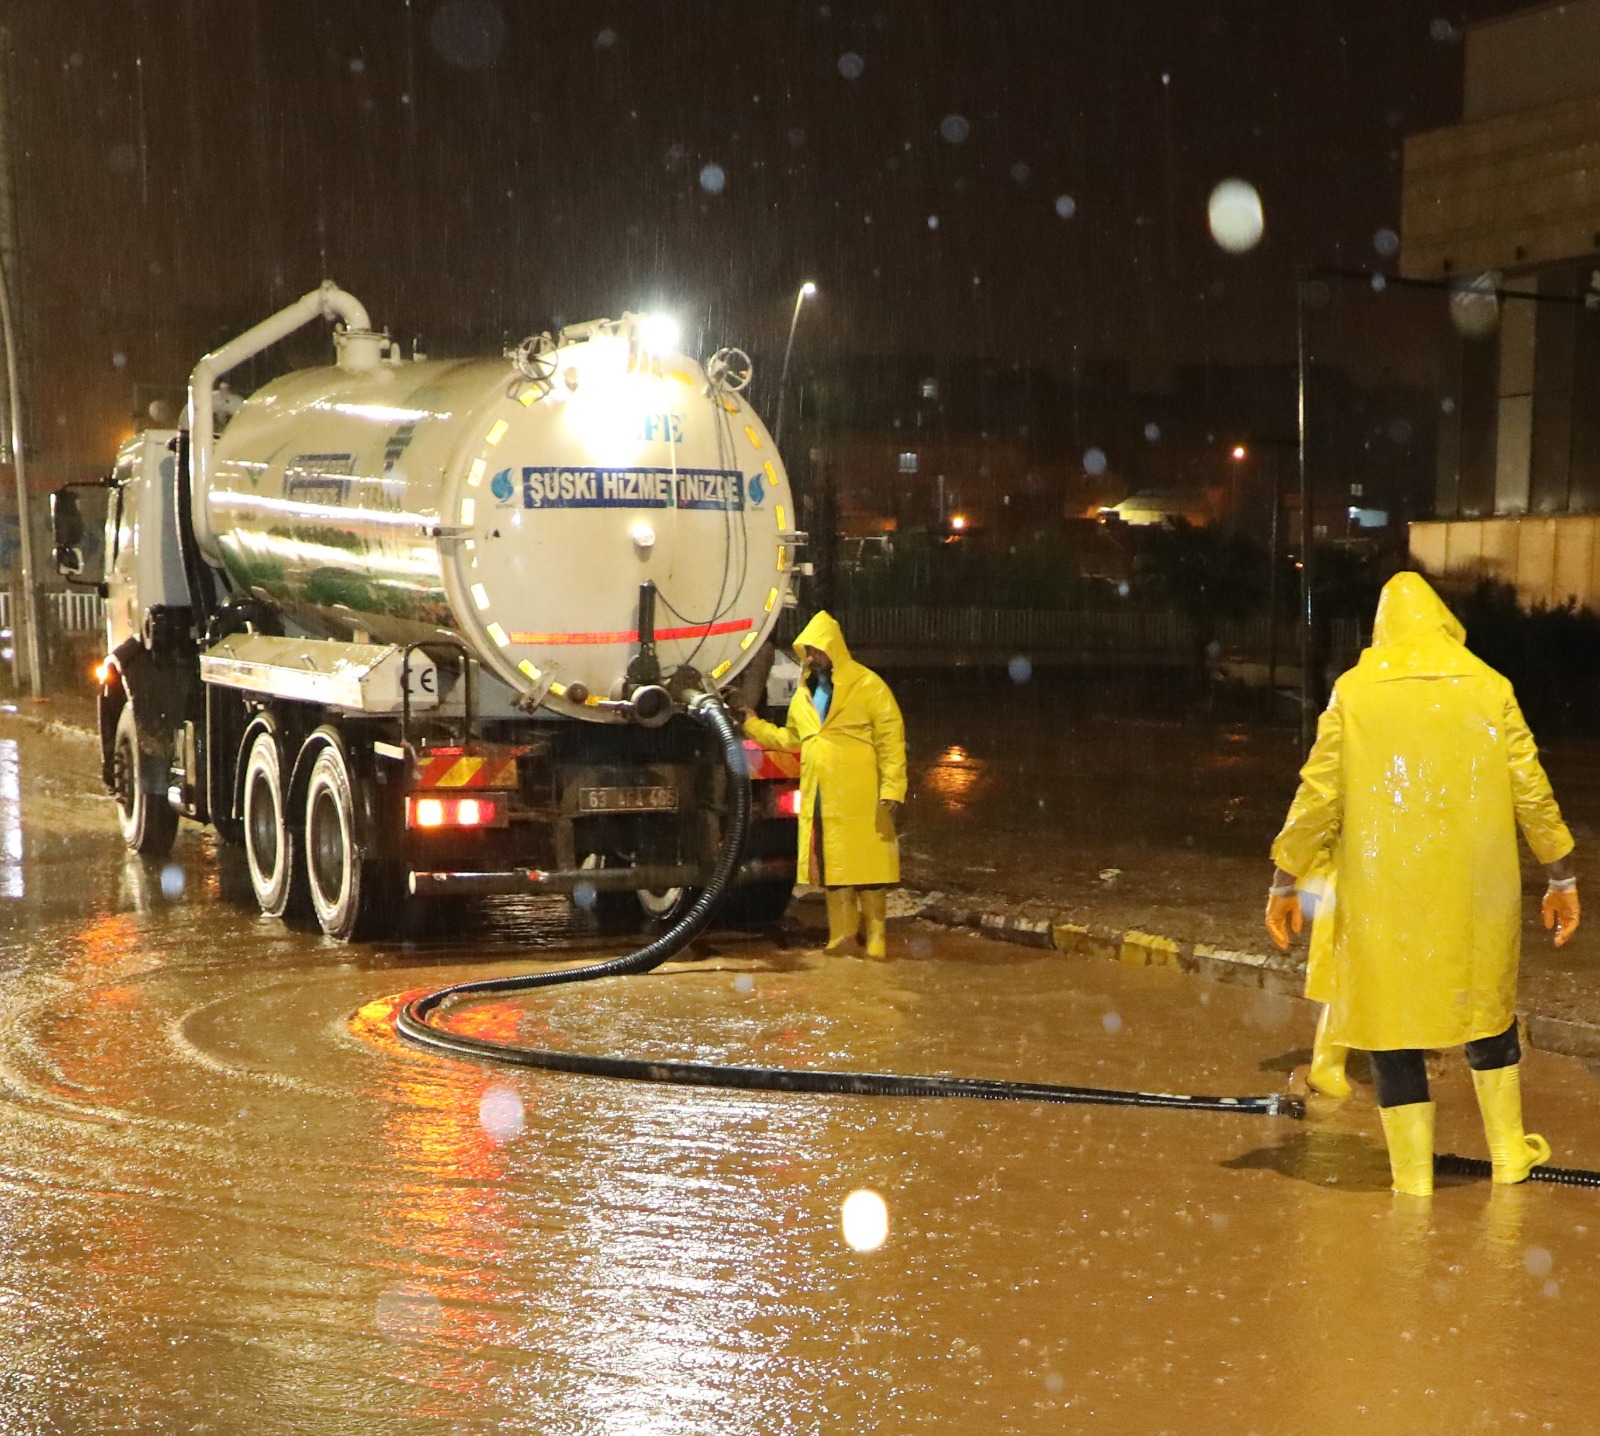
1514 1152
1409 1132
1327 1062
875 910
844 918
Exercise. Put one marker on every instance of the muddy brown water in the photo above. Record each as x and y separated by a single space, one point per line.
230 1201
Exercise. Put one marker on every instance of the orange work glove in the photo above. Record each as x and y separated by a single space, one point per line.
1560 908
1284 916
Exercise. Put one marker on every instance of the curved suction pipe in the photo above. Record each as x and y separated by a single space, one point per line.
327 301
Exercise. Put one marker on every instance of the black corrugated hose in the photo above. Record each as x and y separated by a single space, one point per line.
414 1026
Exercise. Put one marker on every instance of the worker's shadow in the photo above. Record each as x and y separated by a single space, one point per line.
1324 1158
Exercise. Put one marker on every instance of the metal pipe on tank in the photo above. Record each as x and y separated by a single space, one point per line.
327 301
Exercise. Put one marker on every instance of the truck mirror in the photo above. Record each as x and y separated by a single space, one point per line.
66 519
77 523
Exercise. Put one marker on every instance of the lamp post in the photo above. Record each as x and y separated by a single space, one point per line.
802 294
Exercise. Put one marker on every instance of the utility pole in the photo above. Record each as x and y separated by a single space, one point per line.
1308 717
8 332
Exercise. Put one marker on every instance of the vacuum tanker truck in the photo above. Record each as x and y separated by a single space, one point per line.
407 628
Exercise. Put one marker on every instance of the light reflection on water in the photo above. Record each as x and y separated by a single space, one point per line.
12 883
952 777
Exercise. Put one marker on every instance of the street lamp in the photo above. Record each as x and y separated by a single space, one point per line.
805 292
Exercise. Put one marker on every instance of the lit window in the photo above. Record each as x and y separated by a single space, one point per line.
930 388
908 463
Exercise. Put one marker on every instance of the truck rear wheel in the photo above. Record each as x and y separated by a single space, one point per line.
348 892
149 823
277 876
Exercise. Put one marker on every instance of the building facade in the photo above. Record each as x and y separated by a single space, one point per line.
1505 206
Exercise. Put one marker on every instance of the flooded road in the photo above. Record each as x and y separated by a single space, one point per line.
230 1201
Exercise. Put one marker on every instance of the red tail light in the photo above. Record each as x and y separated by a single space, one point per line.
787 803
442 812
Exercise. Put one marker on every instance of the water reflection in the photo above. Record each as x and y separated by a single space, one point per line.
952 778
12 884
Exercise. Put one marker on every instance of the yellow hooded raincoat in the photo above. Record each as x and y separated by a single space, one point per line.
849 761
1422 770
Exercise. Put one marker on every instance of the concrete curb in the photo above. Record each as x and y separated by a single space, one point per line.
1277 972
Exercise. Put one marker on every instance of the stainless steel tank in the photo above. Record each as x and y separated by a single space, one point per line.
516 505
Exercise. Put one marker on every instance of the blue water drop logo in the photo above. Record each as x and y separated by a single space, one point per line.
758 490
500 486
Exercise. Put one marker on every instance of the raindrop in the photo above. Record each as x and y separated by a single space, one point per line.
1112 1022
1475 308
1234 213
1538 1261
75 59
1447 405
122 159
851 65
1020 668
1094 461
500 1113
1066 206
1122 589
172 881
1387 243
1020 172
675 154
1152 432
468 34
1055 1383
606 39
797 137
1400 431
712 179
955 129
1443 31
1379 283
744 984
865 1220
583 896
119 360
358 66
408 1313
933 221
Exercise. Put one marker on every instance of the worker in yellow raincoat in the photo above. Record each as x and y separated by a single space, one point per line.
1422 771
846 727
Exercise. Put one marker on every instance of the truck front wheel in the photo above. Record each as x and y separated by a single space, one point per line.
348 891
149 823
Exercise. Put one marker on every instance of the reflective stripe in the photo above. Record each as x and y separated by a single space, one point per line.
467 772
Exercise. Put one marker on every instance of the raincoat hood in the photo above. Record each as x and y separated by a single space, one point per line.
1415 636
1408 610
824 633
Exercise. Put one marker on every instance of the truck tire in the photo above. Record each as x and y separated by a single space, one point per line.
149 823
756 905
277 871
349 893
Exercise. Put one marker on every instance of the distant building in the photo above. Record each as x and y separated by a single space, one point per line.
1510 199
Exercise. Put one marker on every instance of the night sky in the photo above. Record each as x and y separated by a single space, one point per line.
998 180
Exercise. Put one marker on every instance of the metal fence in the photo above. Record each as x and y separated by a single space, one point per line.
72 612
1127 633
